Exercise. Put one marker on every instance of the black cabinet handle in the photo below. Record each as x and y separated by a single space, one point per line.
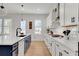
66 52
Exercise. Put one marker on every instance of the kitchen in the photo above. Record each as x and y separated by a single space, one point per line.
39 29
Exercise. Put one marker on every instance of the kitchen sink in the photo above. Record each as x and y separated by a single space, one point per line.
57 36
21 35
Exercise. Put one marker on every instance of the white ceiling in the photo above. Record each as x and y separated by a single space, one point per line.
29 8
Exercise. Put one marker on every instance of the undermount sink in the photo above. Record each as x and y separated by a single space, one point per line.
57 36
21 35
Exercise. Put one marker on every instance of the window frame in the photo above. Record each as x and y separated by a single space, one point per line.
38 28
3 32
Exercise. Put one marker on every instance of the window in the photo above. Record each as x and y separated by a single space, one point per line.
5 25
0 26
23 26
38 25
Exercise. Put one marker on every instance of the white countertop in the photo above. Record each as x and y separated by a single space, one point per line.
10 39
72 44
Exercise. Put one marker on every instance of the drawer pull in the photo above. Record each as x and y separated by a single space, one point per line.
66 52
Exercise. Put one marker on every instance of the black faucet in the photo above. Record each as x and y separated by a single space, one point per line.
18 31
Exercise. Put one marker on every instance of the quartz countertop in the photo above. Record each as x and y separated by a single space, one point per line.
10 39
72 43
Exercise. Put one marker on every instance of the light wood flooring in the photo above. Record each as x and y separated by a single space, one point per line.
37 48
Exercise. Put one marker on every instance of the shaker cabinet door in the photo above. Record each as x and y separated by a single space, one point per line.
71 13
61 14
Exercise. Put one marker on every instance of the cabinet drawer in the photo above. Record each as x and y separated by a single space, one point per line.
68 52
65 51
15 46
58 45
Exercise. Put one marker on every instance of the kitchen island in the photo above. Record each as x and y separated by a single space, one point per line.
14 46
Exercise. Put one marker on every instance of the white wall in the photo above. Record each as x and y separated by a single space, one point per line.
16 18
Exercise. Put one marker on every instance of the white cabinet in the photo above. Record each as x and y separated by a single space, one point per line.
52 19
53 50
68 14
68 52
51 47
50 44
61 14
63 51
49 20
56 48
71 13
55 17
21 48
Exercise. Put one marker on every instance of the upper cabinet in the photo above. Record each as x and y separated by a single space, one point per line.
61 14
49 20
53 17
70 13
56 16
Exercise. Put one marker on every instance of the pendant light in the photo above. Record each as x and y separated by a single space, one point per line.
22 11
2 7
2 10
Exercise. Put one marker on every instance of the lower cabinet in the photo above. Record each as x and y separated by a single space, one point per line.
24 45
15 49
27 42
57 49
63 51
18 48
53 52
9 50
50 45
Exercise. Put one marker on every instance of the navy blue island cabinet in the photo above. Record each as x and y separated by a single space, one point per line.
27 42
13 49
9 50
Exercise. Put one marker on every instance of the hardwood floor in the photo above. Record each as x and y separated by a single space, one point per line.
37 48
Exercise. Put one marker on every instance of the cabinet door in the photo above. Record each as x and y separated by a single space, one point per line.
25 44
21 48
58 51
71 13
53 50
67 52
27 41
61 14
5 50
49 20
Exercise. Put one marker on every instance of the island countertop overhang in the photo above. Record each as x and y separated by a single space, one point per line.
10 40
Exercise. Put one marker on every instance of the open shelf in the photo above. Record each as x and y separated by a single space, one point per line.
70 25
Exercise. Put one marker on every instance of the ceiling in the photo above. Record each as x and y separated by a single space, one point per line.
28 8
